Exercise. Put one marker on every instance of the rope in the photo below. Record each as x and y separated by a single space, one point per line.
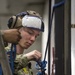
12 56
41 65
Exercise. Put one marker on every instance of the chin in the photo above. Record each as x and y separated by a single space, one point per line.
26 47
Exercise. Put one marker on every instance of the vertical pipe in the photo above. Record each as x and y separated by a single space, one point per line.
72 37
59 39
49 42
67 37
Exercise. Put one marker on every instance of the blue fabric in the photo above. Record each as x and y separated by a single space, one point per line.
1 73
12 56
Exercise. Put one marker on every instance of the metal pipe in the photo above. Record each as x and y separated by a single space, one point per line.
67 37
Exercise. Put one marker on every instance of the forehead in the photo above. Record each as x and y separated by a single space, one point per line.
32 30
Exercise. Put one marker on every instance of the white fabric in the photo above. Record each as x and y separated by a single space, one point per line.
31 21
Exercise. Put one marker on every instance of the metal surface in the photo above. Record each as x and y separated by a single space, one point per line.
67 37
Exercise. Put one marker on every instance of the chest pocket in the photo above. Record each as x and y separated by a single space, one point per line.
26 70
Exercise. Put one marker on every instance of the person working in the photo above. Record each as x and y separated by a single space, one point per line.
30 25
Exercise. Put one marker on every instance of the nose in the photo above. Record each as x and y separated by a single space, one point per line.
32 38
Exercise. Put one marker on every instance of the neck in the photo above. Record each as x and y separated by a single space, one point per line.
19 49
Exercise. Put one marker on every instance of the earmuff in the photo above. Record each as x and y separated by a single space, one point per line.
16 21
26 19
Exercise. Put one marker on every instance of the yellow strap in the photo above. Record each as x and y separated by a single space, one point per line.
25 70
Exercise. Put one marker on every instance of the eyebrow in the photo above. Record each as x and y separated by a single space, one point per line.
33 31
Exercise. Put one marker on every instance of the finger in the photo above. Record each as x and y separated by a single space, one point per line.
18 31
39 54
19 36
37 57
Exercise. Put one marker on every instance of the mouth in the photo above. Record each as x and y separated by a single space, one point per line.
28 44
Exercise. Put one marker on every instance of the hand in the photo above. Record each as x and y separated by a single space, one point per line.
11 35
34 55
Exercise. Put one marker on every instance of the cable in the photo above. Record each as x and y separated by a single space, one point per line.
42 64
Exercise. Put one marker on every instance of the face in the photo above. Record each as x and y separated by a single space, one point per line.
28 37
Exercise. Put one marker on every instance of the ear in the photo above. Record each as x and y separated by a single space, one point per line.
14 22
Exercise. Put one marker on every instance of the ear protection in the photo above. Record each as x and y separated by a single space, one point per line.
16 21
26 19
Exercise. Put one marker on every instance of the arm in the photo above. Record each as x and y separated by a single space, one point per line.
23 59
34 55
11 35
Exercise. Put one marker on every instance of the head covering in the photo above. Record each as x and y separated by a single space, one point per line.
33 22
29 19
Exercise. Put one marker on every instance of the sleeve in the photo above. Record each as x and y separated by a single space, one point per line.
20 62
2 34
22 66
